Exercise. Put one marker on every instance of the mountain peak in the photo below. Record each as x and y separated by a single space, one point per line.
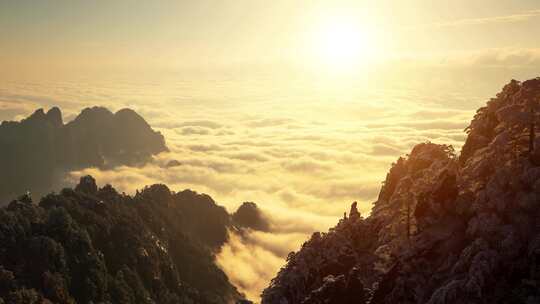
95 138
248 215
38 115
93 114
127 112
54 116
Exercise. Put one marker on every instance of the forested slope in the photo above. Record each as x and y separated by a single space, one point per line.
445 229
90 245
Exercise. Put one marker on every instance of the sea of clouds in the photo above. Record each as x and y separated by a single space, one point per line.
302 149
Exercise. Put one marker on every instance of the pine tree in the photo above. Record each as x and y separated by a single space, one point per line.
520 121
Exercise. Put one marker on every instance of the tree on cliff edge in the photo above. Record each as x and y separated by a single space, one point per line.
522 117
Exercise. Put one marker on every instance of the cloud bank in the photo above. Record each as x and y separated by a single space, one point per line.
302 155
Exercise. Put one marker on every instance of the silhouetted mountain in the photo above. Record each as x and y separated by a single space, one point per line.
91 245
444 229
37 152
250 216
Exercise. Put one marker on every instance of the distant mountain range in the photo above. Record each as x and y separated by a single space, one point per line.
445 228
36 153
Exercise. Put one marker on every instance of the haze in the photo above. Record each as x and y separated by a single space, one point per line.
299 106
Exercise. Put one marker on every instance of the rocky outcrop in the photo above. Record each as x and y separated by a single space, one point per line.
36 152
248 215
445 229
99 138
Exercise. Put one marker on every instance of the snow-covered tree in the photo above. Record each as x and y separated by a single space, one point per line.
520 120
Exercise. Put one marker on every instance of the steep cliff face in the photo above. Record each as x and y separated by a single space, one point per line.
36 152
445 229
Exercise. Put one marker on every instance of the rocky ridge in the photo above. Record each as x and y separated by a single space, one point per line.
37 152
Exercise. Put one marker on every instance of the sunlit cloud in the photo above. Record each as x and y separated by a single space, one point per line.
194 131
519 17
249 266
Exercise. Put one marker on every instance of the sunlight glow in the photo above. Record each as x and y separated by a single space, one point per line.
343 44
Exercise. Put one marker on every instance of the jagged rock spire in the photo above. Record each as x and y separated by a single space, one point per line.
354 214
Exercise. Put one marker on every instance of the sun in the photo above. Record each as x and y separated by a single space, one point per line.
343 44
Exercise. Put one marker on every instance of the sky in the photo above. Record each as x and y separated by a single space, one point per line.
59 36
300 106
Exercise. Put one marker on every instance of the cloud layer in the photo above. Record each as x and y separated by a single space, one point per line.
302 152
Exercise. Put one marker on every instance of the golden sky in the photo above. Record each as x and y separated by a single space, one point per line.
51 35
